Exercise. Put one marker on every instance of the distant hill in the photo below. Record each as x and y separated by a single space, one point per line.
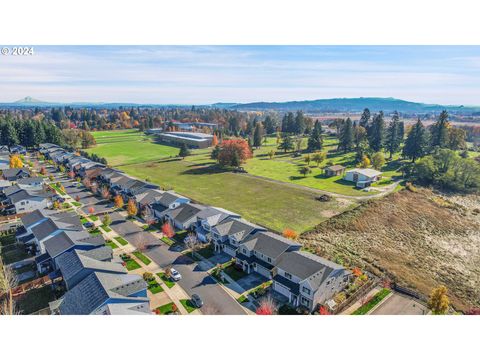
351 105
29 100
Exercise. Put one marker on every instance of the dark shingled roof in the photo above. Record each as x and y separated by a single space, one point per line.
236 226
185 212
168 198
32 218
269 244
67 239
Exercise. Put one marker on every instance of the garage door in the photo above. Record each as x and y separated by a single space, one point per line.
281 289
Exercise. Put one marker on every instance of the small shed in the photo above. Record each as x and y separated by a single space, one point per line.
334 170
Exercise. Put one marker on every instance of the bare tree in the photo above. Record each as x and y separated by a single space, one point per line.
191 242
267 307
8 281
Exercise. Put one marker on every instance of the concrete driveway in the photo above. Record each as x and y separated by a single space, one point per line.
251 281
194 279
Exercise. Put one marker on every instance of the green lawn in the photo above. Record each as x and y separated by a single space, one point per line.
7 239
142 257
121 240
206 252
168 241
154 287
105 228
13 253
166 280
122 147
57 189
35 299
372 303
95 231
111 244
132 265
93 217
234 273
165 309
188 305
76 203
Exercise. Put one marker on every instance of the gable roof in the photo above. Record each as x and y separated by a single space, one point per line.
32 218
14 172
185 212
169 197
97 288
148 196
239 227
269 244
65 240
307 266
366 172
24 194
335 167
30 180
214 215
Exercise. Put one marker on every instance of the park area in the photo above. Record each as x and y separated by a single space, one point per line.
273 193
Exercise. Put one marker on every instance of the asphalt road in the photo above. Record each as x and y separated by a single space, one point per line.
194 279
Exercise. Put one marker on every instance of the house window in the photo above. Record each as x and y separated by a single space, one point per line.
306 290
288 276
305 301
244 251
269 260
22 203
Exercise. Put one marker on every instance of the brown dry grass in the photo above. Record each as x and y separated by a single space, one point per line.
419 239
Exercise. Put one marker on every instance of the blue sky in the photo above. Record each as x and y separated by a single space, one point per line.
209 74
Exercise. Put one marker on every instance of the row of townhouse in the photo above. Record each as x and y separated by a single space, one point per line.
303 278
95 280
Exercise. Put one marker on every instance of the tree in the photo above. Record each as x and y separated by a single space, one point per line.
215 152
394 140
132 208
378 160
214 140
258 135
416 143
365 163
298 144
184 152
271 154
307 159
15 162
304 170
43 171
439 131
192 242
286 144
8 281
167 230
71 174
315 141
290 234
56 205
456 139
365 118
91 210
105 192
361 142
107 220
269 125
118 201
300 123
266 307
233 152
439 301
376 132
346 136
319 157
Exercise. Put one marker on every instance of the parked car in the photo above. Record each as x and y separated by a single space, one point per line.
88 224
175 275
197 300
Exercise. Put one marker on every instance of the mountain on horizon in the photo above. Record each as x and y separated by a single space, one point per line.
29 100
350 104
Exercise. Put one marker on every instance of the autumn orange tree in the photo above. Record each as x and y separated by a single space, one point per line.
167 230
214 140
43 171
131 208
439 301
15 162
290 234
118 201
234 152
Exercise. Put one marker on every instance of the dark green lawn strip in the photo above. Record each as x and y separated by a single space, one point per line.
165 309
111 244
154 287
121 240
374 301
132 265
168 241
188 305
142 257
105 228
166 280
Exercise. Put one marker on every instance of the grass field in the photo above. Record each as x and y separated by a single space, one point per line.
122 147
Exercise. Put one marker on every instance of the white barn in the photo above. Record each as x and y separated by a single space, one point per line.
363 177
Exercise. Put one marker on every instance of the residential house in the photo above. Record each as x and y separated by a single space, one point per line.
76 265
228 234
34 183
4 161
168 201
105 294
307 280
18 149
183 217
15 173
210 217
363 177
18 200
145 200
261 252
334 170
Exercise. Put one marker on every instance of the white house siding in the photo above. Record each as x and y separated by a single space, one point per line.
262 271
25 206
229 251
281 289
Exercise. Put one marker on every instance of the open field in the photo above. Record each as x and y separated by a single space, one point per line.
122 147
421 240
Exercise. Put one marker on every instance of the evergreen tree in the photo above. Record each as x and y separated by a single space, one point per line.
290 123
365 118
376 132
300 123
9 134
439 131
416 143
286 143
269 125
315 141
258 135
393 135
184 152
346 136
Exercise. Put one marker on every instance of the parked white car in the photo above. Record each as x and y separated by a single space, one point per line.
175 275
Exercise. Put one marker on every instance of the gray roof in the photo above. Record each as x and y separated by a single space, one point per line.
185 212
28 194
335 167
65 240
308 266
269 244
30 180
215 215
12 173
239 227
149 196
97 288
73 262
60 221
169 198
32 218
11 190
138 308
